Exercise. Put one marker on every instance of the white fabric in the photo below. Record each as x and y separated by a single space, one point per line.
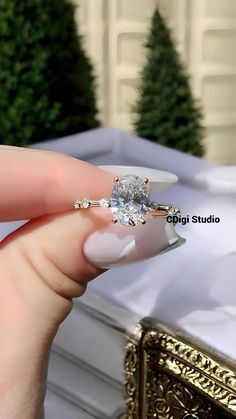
219 179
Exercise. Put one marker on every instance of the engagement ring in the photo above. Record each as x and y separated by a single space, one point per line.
129 202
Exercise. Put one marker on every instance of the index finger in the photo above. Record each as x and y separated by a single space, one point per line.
35 183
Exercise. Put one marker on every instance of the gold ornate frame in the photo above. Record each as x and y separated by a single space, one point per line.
168 376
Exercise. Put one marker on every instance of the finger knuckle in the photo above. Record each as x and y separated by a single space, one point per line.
57 165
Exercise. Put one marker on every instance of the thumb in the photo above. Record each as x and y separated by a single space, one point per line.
51 266
42 267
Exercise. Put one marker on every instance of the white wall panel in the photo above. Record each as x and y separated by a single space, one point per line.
134 10
130 49
219 93
221 142
218 47
213 68
127 95
90 15
225 8
205 35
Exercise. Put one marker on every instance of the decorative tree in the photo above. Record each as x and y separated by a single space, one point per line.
165 110
46 80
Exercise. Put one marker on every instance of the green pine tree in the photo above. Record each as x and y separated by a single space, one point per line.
166 111
46 80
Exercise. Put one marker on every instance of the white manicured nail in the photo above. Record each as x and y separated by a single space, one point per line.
118 245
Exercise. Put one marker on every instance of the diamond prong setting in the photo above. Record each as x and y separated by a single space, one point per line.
173 210
85 203
129 202
129 199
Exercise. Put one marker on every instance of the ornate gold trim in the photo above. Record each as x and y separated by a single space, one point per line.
131 380
169 398
132 373
168 374
192 356
194 367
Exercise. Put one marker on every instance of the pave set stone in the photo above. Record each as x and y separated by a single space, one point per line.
104 203
85 203
129 201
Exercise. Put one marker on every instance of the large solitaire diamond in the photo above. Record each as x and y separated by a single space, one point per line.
129 200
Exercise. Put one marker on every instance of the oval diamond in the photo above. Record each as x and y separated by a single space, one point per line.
129 200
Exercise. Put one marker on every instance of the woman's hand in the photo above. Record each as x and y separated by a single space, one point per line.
42 264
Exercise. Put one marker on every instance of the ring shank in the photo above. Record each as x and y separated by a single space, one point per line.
161 213
156 210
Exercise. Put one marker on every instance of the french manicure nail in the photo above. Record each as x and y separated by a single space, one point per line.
117 245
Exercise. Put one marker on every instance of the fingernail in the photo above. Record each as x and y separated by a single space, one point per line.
117 245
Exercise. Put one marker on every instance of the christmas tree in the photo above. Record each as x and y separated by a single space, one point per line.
47 82
166 111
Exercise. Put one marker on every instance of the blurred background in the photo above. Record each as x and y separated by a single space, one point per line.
205 35
54 83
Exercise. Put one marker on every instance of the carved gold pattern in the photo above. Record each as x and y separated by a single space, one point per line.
168 398
194 357
195 367
168 377
131 380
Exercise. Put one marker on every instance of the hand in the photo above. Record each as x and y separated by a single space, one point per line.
42 264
